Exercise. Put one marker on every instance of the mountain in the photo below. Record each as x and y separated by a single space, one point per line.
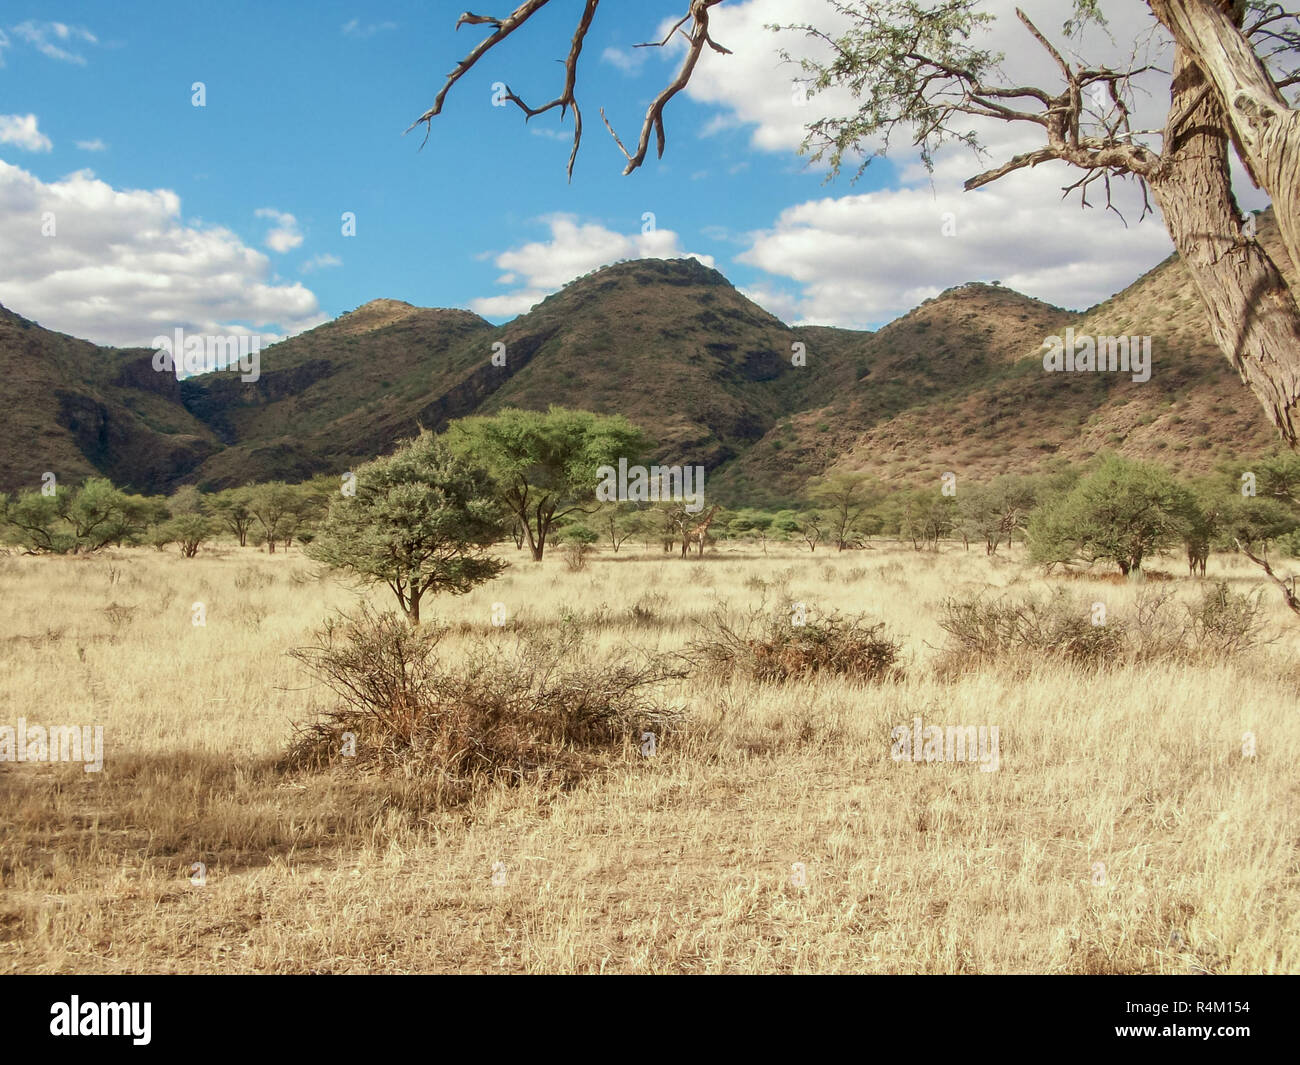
956 384
76 410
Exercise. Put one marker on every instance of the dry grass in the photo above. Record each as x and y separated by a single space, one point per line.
676 863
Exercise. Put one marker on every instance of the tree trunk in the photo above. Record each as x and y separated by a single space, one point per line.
1265 128
413 607
1252 313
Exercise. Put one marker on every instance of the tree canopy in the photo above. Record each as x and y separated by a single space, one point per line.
421 520
545 463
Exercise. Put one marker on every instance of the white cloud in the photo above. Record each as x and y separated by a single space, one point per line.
862 259
628 60
22 131
321 262
96 145
866 258
124 267
355 28
284 235
574 248
4 43
49 38
753 88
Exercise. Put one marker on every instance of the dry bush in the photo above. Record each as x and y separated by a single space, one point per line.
576 557
1059 628
1224 623
768 646
508 708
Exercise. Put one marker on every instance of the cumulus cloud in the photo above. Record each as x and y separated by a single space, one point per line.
22 132
321 262
55 39
284 235
628 60
861 259
120 266
574 248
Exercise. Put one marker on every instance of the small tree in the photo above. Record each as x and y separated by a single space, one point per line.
422 520
993 512
187 531
812 528
545 464
98 514
617 522
846 500
277 508
1122 512
35 522
231 508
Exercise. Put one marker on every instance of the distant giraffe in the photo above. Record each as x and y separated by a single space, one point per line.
695 534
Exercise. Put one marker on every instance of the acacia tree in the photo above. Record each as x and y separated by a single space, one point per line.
1122 513
231 508
545 464
915 66
275 506
421 520
993 512
846 500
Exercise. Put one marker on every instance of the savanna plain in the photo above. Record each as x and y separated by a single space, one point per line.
1126 828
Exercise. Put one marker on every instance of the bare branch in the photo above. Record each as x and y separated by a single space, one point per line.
654 117
1287 584
505 27
697 38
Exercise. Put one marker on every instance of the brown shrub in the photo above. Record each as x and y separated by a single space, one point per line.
511 707
768 646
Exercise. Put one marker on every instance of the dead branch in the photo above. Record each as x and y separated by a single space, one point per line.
697 37
1287 584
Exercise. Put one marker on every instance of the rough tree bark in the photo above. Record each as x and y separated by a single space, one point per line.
1253 314
1265 127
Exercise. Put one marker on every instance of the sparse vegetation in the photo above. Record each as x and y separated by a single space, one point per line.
342 865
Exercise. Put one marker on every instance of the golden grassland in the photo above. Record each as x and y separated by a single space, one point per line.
677 863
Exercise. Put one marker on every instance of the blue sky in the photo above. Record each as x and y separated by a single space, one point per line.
171 214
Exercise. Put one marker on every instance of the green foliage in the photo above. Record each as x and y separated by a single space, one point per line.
578 533
875 57
188 531
231 508
421 521
186 500
279 510
845 501
1121 513
544 464
79 521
